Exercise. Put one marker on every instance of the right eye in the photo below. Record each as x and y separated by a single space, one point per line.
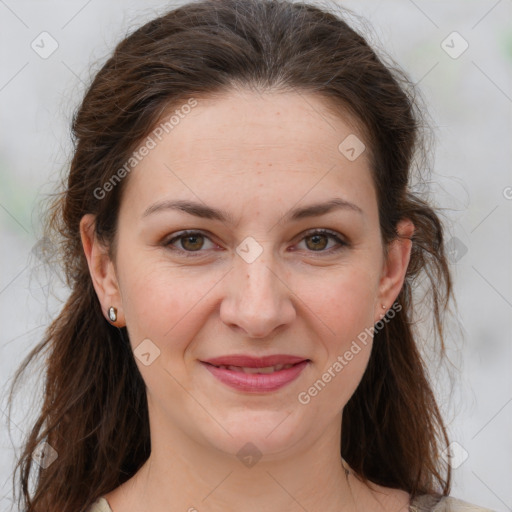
191 241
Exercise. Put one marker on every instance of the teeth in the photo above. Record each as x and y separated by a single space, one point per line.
267 369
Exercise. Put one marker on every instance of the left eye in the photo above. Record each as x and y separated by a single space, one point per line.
193 241
319 240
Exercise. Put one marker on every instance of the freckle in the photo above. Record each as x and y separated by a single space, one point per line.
270 165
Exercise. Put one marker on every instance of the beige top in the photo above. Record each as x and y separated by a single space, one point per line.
424 503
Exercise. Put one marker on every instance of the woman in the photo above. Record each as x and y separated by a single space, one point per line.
242 243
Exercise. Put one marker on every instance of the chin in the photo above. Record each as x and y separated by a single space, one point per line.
259 434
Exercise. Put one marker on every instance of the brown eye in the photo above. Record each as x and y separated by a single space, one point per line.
192 242
189 242
317 241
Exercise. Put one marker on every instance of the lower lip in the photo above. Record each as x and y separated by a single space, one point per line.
257 382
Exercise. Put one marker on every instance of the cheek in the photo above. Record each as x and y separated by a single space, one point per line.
343 312
151 302
164 309
164 306
343 301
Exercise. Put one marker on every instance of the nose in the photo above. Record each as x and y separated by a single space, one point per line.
258 300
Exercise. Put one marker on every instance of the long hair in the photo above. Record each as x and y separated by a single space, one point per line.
94 413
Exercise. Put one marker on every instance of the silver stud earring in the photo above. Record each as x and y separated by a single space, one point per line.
112 314
383 307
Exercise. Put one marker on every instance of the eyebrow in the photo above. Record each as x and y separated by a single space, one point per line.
207 212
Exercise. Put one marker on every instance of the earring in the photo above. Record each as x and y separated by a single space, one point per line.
112 314
383 307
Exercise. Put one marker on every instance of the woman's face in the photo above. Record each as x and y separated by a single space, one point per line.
253 279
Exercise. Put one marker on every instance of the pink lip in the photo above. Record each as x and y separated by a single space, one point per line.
257 382
254 362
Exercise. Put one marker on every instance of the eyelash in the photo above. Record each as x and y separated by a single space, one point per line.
194 254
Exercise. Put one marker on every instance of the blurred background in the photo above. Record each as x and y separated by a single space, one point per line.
459 53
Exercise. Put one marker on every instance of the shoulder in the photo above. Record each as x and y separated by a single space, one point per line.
100 505
436 503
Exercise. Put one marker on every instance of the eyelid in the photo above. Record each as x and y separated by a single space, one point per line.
324 231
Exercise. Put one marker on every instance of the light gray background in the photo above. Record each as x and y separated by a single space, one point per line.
470 100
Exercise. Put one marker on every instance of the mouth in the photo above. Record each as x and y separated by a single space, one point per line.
246 369
257 379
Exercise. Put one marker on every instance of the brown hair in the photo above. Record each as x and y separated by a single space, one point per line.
95 411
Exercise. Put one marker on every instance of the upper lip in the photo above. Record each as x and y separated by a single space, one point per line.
254 362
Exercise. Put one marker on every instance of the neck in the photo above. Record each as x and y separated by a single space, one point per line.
183 475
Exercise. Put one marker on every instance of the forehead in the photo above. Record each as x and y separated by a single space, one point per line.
245 141
299 125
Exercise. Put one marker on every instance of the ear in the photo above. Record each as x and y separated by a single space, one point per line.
394 268
102 270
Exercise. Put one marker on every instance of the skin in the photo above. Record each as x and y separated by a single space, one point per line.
257 156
